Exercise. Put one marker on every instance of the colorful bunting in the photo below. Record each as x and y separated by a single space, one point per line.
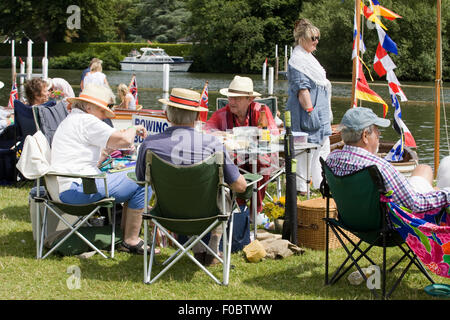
386 41
382 62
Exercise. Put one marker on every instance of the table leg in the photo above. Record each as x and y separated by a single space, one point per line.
254 204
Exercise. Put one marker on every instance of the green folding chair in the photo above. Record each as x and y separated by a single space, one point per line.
360 211
191 200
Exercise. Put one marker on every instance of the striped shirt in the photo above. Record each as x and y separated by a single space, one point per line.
351 159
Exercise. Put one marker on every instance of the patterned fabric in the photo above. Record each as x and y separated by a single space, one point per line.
427 234
351 159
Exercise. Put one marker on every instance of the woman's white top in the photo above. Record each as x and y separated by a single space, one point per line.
77 145
94 77
132 103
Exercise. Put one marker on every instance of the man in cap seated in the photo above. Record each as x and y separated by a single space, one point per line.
182 145
241 111
360 133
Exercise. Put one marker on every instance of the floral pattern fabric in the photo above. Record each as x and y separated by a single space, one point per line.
426 233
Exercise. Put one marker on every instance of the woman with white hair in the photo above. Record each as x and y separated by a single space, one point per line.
309 100
77 147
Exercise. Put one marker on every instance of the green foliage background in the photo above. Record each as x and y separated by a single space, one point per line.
232 36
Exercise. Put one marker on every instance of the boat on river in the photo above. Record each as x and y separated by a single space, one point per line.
153 59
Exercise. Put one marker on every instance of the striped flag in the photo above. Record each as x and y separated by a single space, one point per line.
204 103
14 95
362 46
134 89
371 16
382 63
400 126
363 92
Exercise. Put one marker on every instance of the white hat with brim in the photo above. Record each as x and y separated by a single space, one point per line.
240 87
97 95
49 83
1 84
184 99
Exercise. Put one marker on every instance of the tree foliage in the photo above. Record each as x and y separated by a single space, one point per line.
236 36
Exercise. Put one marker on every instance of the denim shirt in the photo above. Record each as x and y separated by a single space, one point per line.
317 124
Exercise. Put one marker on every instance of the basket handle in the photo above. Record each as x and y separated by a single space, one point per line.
312 226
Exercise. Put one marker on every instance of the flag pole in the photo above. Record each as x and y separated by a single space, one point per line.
437 91
357 41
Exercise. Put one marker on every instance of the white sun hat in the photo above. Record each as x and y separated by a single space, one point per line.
240 87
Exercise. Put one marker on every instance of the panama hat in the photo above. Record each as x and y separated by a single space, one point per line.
1 84
240 87
184 99
97 95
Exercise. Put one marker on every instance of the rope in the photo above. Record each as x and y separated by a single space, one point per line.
445 116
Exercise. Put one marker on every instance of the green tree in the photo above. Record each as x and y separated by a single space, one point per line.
160 20
236 36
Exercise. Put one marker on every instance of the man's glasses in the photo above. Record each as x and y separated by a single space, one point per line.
315 38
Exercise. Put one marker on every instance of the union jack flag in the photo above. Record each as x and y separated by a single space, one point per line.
14 95
204 103
134 89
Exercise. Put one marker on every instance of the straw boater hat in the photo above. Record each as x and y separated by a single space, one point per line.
97 95
240 87
184 99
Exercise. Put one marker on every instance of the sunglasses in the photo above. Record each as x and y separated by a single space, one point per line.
315 38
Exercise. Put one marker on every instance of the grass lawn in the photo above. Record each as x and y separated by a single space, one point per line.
294 278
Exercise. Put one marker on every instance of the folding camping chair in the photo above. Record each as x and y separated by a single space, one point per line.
188 199
361 212
35 164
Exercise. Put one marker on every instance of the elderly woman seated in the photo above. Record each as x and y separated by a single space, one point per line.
77 147
36 91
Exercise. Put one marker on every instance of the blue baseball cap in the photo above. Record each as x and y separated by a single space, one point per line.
358 118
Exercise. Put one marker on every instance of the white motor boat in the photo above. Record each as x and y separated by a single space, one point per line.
153 59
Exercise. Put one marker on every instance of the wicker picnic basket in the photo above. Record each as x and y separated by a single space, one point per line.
311 227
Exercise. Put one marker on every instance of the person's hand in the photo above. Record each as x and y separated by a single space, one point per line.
141 131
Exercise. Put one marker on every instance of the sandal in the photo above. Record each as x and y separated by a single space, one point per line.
136 249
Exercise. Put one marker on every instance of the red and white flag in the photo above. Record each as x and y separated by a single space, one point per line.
394 85
204 103
134 89
382 63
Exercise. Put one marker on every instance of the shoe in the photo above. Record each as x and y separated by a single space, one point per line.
211 260
137 249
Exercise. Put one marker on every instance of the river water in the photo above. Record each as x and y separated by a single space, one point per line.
418 113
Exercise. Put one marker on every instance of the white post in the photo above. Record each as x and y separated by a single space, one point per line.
264 70
166 74
21 80
29 60
13 61
270 87
45 63
285 58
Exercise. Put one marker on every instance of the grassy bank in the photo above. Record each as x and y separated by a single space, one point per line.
294 278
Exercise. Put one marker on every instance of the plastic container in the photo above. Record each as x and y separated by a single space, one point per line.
300 137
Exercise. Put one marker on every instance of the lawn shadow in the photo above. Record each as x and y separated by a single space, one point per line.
308 280
17 213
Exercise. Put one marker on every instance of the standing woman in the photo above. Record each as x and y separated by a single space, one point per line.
95 76
309 100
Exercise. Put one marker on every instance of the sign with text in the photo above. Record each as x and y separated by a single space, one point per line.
153 125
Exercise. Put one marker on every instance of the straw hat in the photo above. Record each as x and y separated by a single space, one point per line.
240 87
1 84
97 95
184 99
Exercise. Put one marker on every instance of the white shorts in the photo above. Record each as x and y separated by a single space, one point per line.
420 184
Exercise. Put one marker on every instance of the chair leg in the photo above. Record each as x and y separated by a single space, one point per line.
112 218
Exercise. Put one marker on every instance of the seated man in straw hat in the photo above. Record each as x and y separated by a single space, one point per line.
76 148
359 130
240 111
182 145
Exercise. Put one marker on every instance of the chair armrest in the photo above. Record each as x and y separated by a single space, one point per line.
251 179
132 175
88 180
